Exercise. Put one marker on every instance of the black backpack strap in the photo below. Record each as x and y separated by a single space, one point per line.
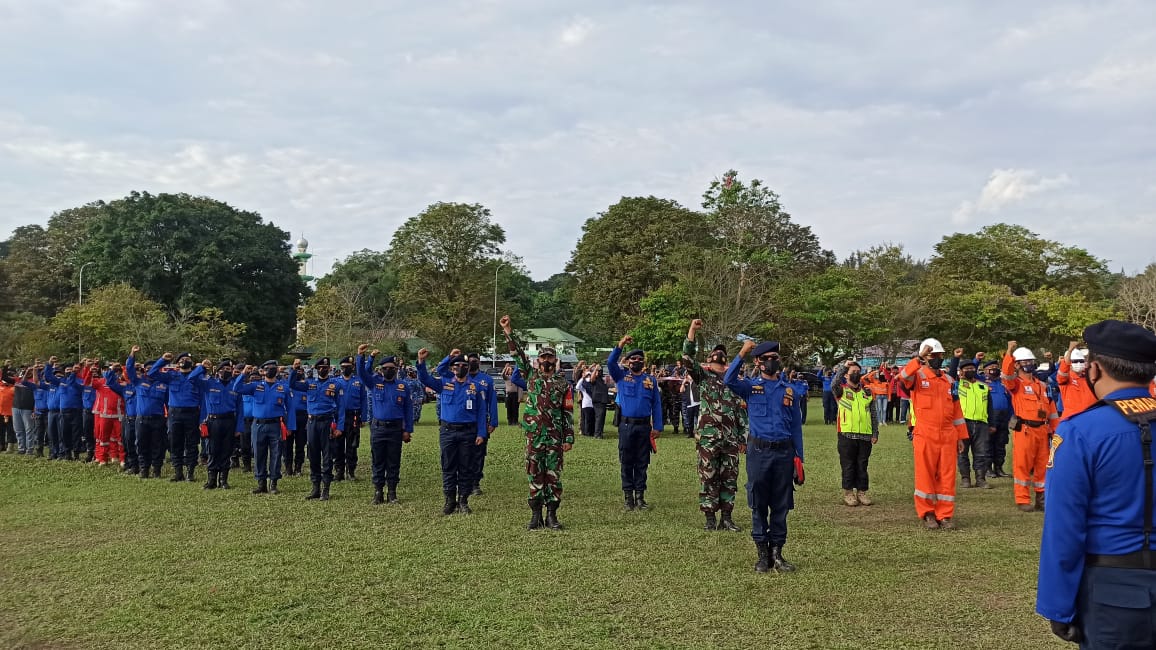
1142 411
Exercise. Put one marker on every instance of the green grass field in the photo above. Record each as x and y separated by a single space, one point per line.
93 559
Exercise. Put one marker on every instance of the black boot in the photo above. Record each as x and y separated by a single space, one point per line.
236 461
190 476
273 488
339 474
325 491
391 495
352 474
477 491
640 501
248 465
262 487
764 563
552 516
297 469
464 504
535 516
629 504
451 505
179 475
223 480
316 493
711 524
727 524
144 472
211 483
378 497
779 563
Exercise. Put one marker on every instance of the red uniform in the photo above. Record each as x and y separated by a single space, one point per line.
939 427
1074 390
107 411
1038 417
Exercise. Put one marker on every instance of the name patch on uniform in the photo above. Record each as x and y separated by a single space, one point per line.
647 384
1136 406
1056 442
757 389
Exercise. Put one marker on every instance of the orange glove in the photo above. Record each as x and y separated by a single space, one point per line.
654 441
800 477
284 431
204 430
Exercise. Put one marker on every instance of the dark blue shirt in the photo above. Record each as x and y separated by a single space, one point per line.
459 402
151 395
638 395
323 396
220 398
772 406
269 400
390 398
184 388
69 388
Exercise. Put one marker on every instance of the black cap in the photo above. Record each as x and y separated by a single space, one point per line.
1115 338
183 355
473 355
345 360
270 362
766 347
225 362
637 352
386 360
967 362
323 361
457 359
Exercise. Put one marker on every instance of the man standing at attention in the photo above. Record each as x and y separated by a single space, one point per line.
640 405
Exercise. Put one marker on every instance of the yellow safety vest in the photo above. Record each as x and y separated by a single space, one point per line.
973 400
855 412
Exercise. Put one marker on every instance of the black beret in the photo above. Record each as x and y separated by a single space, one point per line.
183 355
635 353
766 347
1128 341
473 355
323 361
457 359
270 362
990 364
345 360
967 362
386 360
225 362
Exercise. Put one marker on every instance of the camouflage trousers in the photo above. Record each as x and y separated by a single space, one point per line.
544 473
718 473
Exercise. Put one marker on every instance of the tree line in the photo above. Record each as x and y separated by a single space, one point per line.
223 278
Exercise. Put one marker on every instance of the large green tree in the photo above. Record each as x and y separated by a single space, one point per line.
42 264
189 253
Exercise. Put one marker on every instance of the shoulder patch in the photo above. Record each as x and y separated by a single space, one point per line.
1056 442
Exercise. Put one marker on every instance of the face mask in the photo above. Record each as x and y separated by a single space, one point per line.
225 373
636 366
389 373
855 377
271 373
935 363
969 374
1079 366
347 371
461 372
1028 368
475 365
1092 383
546 366
323 372
771 366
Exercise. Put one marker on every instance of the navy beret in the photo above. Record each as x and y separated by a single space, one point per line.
473 355
183 355
1115 338
635 353
967 362
270 362
457 359
346 360
766 347
323 361
225 362
386 360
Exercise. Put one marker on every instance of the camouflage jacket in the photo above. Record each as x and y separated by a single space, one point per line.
546 420
722 413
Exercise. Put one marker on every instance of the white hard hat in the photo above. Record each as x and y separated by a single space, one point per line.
1045 366
1078 355
1023 354
934 344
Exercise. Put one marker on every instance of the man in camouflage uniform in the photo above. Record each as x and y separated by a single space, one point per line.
719 433
548 425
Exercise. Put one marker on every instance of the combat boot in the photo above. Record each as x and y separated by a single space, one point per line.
223 480
780 564
316 493
535 516
179 475
297 469
849 498
981 480
965 482
947 524
451 505
477 491
352 474
324 491
262 487
629 503
640 502
1025 507
248 465
391 494
273 487
711 524
211 483
930 522
552 517
764 563
464 504
1040 501
190 478
339 475
144 472
378 497
236 461
727 524
863 498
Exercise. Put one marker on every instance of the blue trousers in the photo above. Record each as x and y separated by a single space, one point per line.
55 436
267 450
150 441
385 449
633 454
222 438
184 436
128 438
71 424
319 449
770 491
458 449
1116 608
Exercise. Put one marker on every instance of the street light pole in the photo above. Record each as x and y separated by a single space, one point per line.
79 303
494 348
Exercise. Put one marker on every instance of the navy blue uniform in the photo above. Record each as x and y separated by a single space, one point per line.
70 424
151 398
270 401
463 420
356 408
776 438
184 412
293 446
640 409
221 408
324 400
490 405
1094 527
392 419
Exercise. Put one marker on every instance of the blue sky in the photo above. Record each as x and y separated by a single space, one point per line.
883 121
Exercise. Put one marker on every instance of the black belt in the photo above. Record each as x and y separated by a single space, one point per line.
398 422
151 417
453 426
322 416
265 420
759 443
226 416
636 420
69 410
183 409
1137 560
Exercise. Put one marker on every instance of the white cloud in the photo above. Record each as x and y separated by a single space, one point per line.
576 32
1006 187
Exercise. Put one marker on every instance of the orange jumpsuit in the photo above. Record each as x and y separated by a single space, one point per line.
1038 417
107 411
939 427
1074 390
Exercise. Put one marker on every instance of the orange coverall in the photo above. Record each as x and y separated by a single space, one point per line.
1074 390
1030 403
107 411
939 427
